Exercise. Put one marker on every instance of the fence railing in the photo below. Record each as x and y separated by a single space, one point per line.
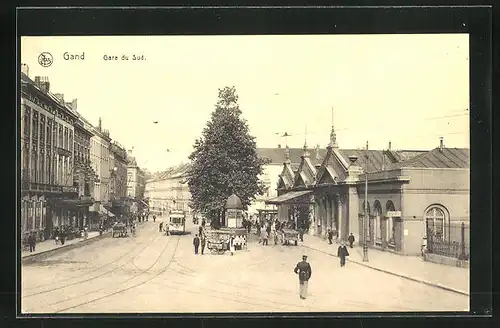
453 242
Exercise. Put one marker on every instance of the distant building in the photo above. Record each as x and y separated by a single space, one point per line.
271 171
118 162
99 158
169 190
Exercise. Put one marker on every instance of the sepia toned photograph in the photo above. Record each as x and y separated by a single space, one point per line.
244 174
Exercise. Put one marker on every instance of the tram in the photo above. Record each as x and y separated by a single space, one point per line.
177 222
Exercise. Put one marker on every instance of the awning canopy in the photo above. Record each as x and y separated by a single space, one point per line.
145 204
101 209
289 197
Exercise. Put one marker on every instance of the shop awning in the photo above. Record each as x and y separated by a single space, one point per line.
289 197
100 209
145 204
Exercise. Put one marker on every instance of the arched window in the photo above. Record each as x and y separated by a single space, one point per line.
363 208
391 232
377 213
435 219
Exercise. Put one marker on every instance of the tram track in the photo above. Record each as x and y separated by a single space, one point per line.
45 291
351 304
85 273
121 290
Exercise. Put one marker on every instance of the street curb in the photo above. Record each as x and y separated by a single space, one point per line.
34 257
425 282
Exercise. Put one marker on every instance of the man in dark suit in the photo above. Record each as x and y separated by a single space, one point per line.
342 253
196 243
303 269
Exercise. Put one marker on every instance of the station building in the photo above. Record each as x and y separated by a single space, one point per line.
411 195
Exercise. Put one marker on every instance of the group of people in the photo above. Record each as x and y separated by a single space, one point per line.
274 229
164 228
200 239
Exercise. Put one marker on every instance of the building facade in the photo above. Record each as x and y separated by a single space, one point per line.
99 158
118 184
47 145
169 190
411 195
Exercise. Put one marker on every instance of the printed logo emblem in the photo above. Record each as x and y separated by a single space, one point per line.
45 59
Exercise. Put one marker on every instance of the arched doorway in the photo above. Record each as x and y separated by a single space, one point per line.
363 221
394 228
376 224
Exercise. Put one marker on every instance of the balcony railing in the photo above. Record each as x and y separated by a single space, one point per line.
63 152
34 186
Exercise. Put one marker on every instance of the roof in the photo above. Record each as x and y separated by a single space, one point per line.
172 172
277 155
49 94
458 158
233 202
379 159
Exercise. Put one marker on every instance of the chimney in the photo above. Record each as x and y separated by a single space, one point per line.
279 146
72 104
441 146
99 126
25 69
43 83
60 96
389 145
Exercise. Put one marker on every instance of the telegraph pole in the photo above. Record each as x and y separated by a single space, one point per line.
366 218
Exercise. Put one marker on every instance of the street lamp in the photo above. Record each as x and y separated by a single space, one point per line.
365 221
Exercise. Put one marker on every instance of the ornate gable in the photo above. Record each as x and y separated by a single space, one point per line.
332 168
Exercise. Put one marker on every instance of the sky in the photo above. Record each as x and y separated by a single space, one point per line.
407 89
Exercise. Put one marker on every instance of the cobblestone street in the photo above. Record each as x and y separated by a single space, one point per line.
156 273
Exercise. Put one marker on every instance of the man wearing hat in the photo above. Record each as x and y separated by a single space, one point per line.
303 269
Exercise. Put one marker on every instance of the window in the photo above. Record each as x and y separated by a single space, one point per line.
60 144
391 232
66 138
435 221
27 120
378 226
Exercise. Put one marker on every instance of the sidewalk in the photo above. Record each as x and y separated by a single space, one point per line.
50 244
410 267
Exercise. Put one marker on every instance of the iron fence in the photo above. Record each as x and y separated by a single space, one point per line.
452 241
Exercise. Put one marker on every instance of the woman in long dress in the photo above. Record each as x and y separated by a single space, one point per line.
231 245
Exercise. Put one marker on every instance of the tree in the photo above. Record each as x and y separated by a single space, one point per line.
224 160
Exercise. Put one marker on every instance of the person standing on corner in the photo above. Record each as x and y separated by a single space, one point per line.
342 253
231 245
203 242
303 269
196 243
350 239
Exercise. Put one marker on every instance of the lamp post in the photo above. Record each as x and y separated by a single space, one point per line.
366 218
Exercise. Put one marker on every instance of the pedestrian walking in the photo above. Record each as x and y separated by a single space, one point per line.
231 245
330 236
301 234
303 269
203 222
350 239
200 231
342 253
161 226
196 243
154 218
203 242
31 242
167 229
62 236
56 236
